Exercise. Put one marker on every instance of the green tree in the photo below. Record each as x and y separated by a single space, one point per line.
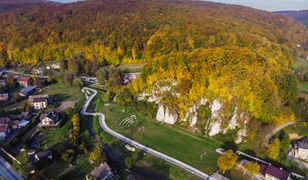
227 161
23 168
274 149
97 155
69 77
285 143
128 162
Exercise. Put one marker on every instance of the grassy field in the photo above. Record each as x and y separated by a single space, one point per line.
169 140
148 162
132 68
63 92
301 63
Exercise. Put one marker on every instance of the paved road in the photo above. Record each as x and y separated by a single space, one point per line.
7 172
25 74
134 143
274 131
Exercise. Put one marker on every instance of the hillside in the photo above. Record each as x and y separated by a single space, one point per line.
301 16
235 55
11 5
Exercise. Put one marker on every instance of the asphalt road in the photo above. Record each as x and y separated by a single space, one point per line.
7 172
105 127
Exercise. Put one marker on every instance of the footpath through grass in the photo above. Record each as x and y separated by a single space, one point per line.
194 150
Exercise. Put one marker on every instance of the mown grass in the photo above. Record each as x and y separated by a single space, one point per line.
164 138
63 92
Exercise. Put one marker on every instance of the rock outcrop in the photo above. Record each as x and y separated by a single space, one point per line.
214 125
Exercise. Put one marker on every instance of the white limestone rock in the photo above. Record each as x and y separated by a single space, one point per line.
215 127
160 116
170 117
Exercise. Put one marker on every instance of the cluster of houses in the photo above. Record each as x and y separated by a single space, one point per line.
12 123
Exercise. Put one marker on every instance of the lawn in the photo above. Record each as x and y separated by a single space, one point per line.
170 140
301 63
303 87
148 163
63 92
132 67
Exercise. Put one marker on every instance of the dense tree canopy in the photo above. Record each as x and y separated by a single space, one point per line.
124 31
236 54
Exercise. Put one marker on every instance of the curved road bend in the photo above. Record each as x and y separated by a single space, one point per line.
105 127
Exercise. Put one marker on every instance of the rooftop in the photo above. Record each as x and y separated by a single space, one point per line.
5 120
24 79
101 172
303 143
39 99
274 171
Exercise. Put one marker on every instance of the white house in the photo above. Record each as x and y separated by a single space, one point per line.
301 149
49 119
40 102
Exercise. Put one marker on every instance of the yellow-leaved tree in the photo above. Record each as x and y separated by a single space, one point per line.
227 161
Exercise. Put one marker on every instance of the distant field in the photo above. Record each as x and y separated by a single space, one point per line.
167 139
132 68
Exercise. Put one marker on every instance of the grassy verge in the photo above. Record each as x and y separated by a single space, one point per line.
63 92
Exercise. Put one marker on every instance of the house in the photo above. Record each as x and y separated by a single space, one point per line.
4 127
39 102
273 173
42 155
128 77
103 171
4 96
25 81
27 91
53 65
49 119
300 149
38 70
23 123
3 71
2 83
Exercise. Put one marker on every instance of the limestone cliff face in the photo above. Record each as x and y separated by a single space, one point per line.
213 127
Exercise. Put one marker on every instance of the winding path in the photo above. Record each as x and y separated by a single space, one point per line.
105 127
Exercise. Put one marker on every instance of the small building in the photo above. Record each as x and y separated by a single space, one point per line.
39 102
2 83
23 123
24 81
27 91
273 173
4 96
4 127
49 119
128 77
103 171
3 71
300 149
38 70
42 155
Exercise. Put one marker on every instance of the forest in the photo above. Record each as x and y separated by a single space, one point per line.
239 54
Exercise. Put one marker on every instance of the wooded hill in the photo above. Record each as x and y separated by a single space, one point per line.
301 16
11 5
238 54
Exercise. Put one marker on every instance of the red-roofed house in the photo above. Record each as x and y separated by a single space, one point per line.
24 81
